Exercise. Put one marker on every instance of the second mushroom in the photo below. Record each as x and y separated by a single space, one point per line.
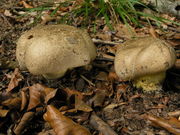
145 61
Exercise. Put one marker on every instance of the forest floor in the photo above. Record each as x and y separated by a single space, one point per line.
125 109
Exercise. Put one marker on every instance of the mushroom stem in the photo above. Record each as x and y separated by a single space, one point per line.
150 82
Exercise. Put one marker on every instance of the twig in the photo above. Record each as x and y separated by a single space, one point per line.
172 125
104 59
174 114
83 77
4 17
100 125
98 41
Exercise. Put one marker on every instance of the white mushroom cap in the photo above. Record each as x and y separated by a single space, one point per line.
53 49
143 56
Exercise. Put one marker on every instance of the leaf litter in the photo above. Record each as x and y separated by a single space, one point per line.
104 104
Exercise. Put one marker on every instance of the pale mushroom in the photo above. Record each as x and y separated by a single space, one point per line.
145 61
53 49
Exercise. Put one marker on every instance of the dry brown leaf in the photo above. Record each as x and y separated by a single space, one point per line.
24 97
81 106
125 31
49 93
26 118
47 132
99 97
70 92
113 77
172 125
153 32
177 64
104 36
121 90
102 76
36 95
25 4
3 112
16 77
12 103
46 18
63 125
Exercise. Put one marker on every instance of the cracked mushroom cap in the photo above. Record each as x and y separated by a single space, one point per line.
143 56
53 49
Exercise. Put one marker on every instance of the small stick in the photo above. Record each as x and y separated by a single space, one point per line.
98 41
101 126
83 77
174 114
173 126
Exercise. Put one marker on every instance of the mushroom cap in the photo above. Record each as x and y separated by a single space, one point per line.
53 49
143 56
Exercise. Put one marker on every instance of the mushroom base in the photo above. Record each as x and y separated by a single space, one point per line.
151 82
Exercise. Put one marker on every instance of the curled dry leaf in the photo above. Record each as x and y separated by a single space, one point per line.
99 97
3 112
47 132
177 64
24 121
81 106
121 90
26 5
24 98
49 93
12 103
113 76
172 125
36 95
73 92
125 31
16 77
63 125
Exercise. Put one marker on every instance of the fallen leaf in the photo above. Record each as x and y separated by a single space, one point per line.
46 18
125 31
16 77
3 112
81 106
49 93
102 76
177 64
12 103
24 97
63 125
121 91
113 77
25 4
99 97
26 118
36 95
70 93
47 132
